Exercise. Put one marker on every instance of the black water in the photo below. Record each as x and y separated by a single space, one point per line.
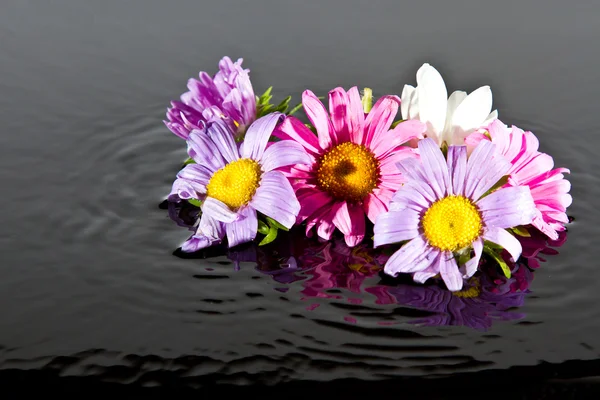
90 290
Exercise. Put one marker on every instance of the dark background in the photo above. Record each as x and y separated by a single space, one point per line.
89 286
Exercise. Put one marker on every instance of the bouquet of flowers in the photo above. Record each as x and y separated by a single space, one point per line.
445 181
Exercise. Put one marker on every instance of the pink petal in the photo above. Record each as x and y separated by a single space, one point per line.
292 128
341 115
380 119
373 206
317 114
350 220
311 200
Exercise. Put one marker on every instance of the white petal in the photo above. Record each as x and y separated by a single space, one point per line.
493 115
473 111
407 93
454 100
433 97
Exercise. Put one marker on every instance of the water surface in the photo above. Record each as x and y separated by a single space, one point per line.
90 285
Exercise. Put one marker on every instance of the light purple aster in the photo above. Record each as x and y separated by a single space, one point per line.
443 212
227 95
234 181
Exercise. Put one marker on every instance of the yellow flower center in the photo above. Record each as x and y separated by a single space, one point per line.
348 172
452 223
471 292
235 183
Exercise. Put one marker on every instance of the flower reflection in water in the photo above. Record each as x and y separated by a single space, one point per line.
332 271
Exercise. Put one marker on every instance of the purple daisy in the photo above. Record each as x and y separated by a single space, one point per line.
228 95
444 211
234 181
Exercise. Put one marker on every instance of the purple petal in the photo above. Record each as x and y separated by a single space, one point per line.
449 271
484 169
414 192
457 167
396 226
204 151
224 140
435 167
473 263
284 153
218 210
197 175
195 243
275 198
414 256
244 229
429 272
211 228
502 238
508 207
258 135
182 190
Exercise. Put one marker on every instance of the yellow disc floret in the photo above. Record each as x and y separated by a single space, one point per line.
452 223
348 172
235 183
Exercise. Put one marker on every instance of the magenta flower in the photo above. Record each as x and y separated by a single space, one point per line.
227 95
352 170
533 169
234 183
443 211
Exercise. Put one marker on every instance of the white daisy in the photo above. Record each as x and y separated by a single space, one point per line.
448 119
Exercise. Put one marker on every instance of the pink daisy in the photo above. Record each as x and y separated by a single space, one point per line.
529 167
353 161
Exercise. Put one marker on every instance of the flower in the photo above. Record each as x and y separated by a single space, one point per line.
533 169
227 95
448 119
443 209
352 170
234 183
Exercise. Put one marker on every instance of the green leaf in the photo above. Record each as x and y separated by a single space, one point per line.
265 98
521 231
295 109
189 160
497 186
272 235
367 100
284 105
272 223
263 228
396 123
195 202
499 260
